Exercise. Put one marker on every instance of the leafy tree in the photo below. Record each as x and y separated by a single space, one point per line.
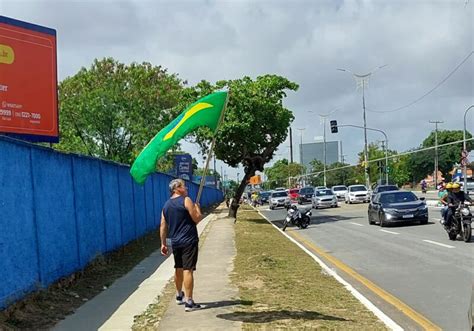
422 163
316 179
343 176
111 110
255 124
400 172
279 173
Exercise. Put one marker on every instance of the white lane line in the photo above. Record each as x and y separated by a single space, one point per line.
439 244
390 232
356 224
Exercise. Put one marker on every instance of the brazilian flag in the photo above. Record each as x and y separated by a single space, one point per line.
204 112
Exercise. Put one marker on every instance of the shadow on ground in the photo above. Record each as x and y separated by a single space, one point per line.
226 303
270 316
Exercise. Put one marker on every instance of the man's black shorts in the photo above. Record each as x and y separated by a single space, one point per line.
186 257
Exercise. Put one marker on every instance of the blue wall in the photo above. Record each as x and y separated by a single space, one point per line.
59 211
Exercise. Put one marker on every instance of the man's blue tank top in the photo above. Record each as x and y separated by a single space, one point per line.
181 229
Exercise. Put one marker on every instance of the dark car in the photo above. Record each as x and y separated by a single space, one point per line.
383 188
396 207
265 196
306 193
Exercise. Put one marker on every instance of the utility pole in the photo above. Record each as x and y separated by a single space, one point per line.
464 152
215 173
436 152
291 146
361 81
301 150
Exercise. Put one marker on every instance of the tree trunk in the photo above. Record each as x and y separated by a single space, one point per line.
238 194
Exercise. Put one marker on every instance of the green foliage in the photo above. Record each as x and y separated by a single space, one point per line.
279 173
112 110
422 163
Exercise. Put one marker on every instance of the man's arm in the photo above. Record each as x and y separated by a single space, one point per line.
193 209
163 234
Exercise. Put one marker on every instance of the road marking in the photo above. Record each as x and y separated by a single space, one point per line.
390 232
404 308
377 312
356 224
439 244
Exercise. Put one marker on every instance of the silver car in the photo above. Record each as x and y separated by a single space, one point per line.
324 198
340 191
279 199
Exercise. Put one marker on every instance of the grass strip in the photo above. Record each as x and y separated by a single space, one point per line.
287 287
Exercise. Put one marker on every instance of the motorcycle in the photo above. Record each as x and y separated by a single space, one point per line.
296 217
460 223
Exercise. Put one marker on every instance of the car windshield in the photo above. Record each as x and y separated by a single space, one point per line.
323 192
339 188
265 194
307 190
397 197
279 194
357 188
387 188
294 191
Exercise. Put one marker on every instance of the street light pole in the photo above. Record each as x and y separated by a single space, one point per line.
436 151
361 81
372 129
464 150
301 149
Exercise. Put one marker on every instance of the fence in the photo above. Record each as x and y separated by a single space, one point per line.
59 211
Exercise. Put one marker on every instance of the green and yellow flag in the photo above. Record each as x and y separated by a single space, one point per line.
204 112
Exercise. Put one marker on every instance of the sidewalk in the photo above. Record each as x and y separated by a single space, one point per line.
115 308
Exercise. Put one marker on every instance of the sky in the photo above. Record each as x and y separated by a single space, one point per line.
419 43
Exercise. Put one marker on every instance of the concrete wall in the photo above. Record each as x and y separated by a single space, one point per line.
59 211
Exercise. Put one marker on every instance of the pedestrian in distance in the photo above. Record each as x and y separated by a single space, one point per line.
178 232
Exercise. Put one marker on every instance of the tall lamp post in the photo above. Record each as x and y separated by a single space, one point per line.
323 118
436 151
464 150
362 81
301 148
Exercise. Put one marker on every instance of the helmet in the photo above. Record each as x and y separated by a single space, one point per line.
449 185
456 185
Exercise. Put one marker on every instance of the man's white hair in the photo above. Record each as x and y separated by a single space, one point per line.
175 183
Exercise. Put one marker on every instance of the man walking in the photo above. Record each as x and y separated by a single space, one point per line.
179 220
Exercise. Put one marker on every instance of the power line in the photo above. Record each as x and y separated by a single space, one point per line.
390 157
427 93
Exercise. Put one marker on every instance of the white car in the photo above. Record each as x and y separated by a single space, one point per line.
279 199
357 193
324 198
340 191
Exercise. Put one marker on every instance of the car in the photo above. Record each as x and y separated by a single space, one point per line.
321 188
294 194
265 196
324 198
306 194
397 207
384 188
340 191
357 193
280 189
279 199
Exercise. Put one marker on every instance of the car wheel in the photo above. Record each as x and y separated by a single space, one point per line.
370 220
382 222
425 221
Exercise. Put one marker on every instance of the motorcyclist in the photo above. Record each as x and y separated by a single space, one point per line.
454 199
423 186
443 199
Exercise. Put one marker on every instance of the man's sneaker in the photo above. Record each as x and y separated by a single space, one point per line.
191 306
180 298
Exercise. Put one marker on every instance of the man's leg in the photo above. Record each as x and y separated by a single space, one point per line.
178 279
448 216
188 284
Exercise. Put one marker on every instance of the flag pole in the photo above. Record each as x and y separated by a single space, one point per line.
211 148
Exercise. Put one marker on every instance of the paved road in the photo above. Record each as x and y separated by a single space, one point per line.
418 264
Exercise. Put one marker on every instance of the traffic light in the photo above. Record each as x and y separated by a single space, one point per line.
333 126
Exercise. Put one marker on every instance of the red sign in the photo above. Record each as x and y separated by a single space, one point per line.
28 80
